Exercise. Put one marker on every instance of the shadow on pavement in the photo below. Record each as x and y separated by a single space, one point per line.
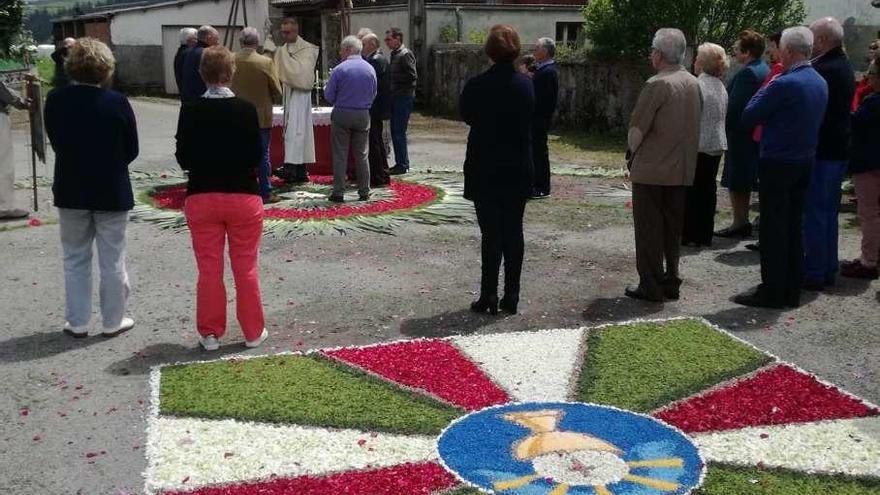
849 287
461 322
718 244
611 309
739 258
744 318
42 345
140 362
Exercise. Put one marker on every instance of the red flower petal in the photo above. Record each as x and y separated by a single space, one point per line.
778 395
406 195
35 222
408 479
416 364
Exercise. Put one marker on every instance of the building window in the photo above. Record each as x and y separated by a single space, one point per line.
568 32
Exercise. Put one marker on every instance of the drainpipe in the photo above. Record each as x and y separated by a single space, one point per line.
459 25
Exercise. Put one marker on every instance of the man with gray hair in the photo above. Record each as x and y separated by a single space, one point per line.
188 39
351 90
192 86
791 110
255 81
546 83
59 56
823 195
664 134
379 111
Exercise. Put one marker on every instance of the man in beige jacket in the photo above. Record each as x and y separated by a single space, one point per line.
664 133
255 80
295 61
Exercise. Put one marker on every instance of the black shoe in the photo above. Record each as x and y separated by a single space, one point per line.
756 300
485 303
509 303
754 246
636 292
336 199
539 194
671 287
364 197
397 170
743 231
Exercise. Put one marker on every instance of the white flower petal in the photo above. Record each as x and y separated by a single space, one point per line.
530 366
222 451
849 446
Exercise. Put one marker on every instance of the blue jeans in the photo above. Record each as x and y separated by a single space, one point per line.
265 165
401 108
820 221
81 232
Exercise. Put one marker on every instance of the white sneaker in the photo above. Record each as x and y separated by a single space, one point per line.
125 325
209 343
259 340
76 332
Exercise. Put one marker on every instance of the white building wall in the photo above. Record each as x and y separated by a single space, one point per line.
143 27
531 22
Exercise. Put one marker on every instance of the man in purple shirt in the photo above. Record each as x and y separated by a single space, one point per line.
351 90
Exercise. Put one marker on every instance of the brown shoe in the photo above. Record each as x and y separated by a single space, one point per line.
856 269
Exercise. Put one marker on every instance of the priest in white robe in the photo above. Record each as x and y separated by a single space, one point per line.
295 61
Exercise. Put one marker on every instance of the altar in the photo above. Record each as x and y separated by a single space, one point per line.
323 149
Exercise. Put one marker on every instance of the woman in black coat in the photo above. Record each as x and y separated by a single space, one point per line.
498 106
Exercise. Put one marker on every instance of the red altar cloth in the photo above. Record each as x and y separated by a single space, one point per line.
323 150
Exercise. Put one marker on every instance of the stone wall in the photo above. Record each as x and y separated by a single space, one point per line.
595 96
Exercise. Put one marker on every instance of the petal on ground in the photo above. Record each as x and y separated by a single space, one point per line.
409 479
210 452
849 446
777 395
531 366
433 366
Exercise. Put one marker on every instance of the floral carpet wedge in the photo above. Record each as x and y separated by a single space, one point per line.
306 210
637 408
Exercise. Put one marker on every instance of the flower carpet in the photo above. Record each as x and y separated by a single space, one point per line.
636 408
305 210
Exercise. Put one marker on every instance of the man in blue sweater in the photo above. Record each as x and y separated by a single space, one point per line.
791 109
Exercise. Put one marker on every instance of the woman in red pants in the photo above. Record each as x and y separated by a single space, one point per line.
218 144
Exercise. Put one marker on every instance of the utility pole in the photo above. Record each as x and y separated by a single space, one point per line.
418 36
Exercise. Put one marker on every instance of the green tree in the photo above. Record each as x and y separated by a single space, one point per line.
626 27
10 23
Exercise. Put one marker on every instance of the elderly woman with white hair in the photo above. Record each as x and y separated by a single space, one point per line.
699 219
791 110
188 39
663 139
93 132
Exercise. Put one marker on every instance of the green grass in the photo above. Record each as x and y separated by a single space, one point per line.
46 70
730 480
10 64
599 150
646 365
305 390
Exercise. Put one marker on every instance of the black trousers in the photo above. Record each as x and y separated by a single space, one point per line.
501 226
700 202
378 155
541 159
658 213
782 190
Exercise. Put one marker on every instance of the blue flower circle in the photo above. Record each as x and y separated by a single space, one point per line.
498 449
